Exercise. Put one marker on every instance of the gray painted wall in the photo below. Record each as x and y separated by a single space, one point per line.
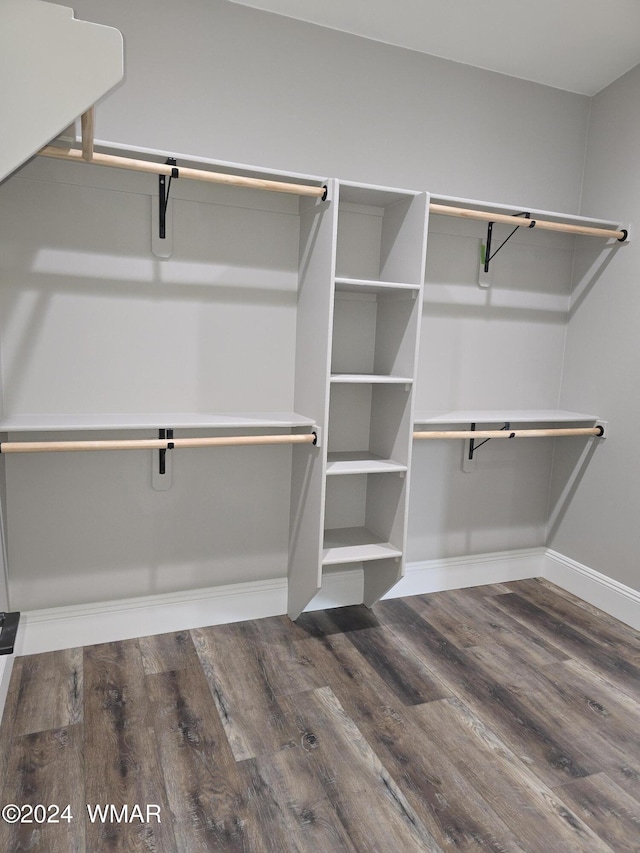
219 80
596 506
215 79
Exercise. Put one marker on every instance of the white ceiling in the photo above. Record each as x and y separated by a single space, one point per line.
576 45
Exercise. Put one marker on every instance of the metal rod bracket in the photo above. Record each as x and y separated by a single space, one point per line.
164 187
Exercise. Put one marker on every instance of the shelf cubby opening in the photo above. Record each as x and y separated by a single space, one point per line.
379 235
364 518
374 333
369 422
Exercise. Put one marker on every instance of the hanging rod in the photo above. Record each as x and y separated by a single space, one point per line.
507 219
155 443
134 165
513 433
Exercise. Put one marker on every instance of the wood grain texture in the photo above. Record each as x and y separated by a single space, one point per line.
166 652
46 768
501 719
579 643
49 692
527 732
506 783
120 752
607 809
452 810
202 781
355 780
249 667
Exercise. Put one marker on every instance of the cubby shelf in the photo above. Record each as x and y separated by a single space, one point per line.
363 462
362 285
355 545
370 379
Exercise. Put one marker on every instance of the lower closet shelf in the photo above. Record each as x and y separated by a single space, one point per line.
355 545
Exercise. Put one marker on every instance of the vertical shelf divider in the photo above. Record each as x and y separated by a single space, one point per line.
318 222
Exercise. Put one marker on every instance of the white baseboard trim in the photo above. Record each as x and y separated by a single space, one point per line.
475 570
104 622
81 625
89 624
620 601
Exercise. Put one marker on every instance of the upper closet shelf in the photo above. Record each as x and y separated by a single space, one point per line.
500 416
154 420
55 68
551 220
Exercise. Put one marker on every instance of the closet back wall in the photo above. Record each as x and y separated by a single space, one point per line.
212 79
94 323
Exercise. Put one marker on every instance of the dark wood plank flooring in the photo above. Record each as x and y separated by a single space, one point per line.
500 718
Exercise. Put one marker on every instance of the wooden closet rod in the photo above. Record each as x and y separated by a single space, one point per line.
486 216
511 433
134 165
154 443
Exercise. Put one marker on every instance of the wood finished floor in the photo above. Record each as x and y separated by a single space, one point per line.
501 718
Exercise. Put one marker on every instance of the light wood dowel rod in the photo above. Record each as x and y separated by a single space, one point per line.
153 443
486 216
511 433
86 124
134 165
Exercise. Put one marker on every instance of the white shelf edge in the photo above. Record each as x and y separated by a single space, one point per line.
490 416
363 465
370 379
496 207
372 285
154 420
355 545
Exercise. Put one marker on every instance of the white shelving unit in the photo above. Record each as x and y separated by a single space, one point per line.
354 301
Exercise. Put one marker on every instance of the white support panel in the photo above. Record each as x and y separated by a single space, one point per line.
54 69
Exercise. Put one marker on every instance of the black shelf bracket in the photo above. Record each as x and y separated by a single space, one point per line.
164 187
8 629
162 453
487 249
473 447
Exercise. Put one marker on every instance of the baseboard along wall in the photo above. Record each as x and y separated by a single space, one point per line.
88 624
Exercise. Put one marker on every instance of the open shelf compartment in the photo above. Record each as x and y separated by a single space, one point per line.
380 233
369 423
364 518
374 334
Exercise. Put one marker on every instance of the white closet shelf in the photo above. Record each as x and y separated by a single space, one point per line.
355 545
360 462
501 416
493 207
363 285
154 420
370 379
